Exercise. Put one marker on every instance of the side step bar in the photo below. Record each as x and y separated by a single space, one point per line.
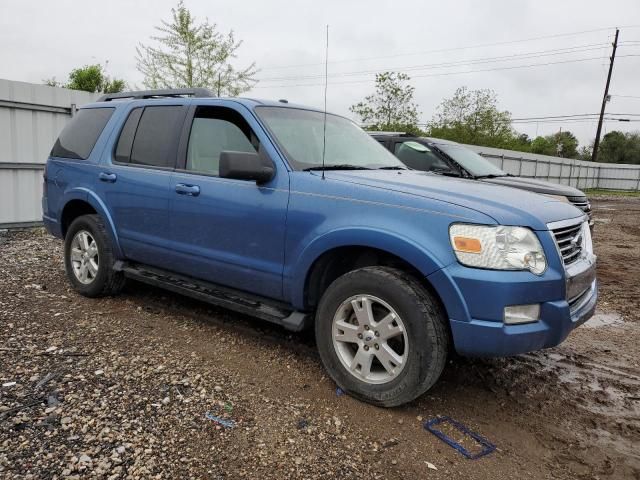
236 300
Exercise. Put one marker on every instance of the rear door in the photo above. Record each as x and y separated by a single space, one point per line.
227 231
135 184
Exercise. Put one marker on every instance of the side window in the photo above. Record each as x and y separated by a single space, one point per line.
125 142
215 130
419 157
155 137
81 133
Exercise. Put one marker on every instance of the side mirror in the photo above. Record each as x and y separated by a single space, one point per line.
246 166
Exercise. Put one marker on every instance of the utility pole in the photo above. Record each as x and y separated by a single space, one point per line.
605 99
559 143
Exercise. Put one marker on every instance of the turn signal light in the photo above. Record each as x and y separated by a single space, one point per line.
467 245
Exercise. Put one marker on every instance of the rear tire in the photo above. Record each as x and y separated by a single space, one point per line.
89 259
382 336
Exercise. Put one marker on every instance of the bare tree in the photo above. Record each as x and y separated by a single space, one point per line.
190 54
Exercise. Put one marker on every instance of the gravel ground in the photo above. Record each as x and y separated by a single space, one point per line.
120 387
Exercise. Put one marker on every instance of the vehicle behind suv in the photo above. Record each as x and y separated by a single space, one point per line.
300 218
450 158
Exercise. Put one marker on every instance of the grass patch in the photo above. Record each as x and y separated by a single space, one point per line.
613 193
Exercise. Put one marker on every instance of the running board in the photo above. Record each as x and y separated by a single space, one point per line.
236 300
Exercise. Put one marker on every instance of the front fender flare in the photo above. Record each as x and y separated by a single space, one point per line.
416 255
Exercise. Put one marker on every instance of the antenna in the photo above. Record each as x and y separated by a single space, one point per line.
324 127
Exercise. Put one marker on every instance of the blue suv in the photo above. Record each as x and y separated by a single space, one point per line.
300 218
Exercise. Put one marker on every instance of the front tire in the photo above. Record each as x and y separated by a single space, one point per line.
381 335
88 258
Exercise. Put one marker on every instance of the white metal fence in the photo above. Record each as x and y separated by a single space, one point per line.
577 173
31 117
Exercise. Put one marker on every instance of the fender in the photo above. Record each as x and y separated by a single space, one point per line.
417 255
83 193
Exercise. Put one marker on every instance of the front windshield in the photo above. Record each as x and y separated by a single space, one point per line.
299 133
472 162
420 157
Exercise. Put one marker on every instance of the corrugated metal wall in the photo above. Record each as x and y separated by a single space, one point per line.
577 173
31 117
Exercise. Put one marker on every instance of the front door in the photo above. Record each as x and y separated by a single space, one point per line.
227 231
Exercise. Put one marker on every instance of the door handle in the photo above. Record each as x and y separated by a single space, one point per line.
191 190
107 177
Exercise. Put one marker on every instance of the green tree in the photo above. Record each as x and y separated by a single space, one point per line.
90 78
619 147
473 117
190 54
585 153
563 144
542 146
391 107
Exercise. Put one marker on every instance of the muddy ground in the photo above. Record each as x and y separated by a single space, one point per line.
119 387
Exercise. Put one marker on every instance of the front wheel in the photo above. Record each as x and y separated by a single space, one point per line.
381 335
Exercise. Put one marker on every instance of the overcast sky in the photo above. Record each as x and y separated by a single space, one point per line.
42 39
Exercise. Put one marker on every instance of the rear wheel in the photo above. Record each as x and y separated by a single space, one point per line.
381 335
89 258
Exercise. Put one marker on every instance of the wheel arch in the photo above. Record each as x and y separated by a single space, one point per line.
344 250
85 202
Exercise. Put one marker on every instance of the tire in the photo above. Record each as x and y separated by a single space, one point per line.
106 280
421 329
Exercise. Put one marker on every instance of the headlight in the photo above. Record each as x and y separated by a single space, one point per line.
498 247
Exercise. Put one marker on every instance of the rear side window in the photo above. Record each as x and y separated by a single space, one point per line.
155 138
80 135
125 142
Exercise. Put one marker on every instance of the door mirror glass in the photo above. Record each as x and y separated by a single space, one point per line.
245 166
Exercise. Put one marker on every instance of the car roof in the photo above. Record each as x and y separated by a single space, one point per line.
406 137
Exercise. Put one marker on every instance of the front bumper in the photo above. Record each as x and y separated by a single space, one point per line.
475 301
495 339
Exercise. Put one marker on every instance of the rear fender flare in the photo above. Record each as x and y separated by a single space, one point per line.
101 209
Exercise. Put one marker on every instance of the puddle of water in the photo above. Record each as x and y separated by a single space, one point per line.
604 207
603 320
602 220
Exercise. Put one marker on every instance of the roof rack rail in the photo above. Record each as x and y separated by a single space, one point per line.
169 92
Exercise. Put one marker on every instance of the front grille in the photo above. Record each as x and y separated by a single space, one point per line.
582 203
569 241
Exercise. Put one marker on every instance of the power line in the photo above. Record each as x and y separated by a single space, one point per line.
538 54
448 73
574 120
575 115
442 50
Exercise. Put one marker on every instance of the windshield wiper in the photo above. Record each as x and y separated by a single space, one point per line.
445 171
491 175
396 167
342 166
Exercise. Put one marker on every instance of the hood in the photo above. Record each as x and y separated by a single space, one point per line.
507 206
534 185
